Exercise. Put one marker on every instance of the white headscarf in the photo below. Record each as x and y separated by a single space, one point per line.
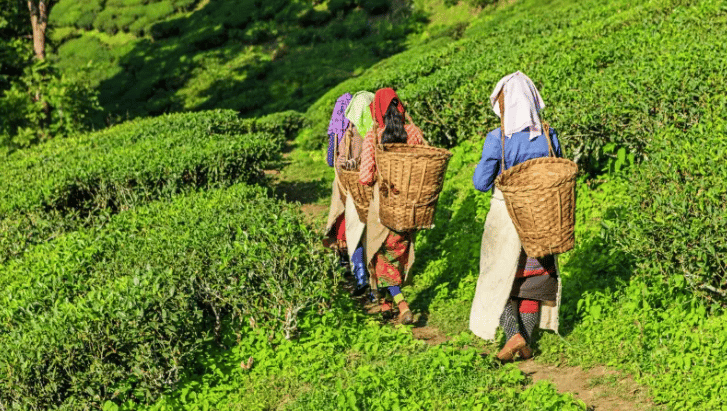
522 104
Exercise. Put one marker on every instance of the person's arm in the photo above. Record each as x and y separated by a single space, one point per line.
367 170
489 166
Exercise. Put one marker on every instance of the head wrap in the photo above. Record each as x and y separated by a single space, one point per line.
522 104
339 123
359 113
381 104
337 126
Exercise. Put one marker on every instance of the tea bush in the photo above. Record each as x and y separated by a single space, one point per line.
75 14
121 311
46 189
251 56
677 220
600 67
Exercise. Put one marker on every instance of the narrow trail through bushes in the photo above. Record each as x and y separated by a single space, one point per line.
601 388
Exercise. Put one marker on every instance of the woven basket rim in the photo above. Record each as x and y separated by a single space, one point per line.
432 151
504 187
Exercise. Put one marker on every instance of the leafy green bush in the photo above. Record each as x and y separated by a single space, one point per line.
43 104
15 52
676 224
48 189
251 56
133 15
121 311
80 14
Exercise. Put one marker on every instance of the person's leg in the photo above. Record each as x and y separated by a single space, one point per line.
530 318
340 227
359 271
405 314
514 340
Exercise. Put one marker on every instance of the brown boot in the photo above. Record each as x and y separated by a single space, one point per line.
515 344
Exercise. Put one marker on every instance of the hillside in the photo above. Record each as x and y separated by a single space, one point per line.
160 263
256 57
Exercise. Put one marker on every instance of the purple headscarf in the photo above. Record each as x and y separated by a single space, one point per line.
338 125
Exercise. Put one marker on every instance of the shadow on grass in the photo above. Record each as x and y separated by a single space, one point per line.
447 255
251 57
596 264
305 192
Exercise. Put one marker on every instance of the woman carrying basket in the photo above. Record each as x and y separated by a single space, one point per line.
513 290
344 226
390 254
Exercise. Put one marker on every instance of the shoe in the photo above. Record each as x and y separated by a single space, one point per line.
406 317
513 345
360 290
526 353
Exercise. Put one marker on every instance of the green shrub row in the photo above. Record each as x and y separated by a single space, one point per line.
600 66
47 189
251 56
112 16
121 311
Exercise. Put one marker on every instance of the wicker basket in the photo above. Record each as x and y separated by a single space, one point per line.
360 194
410 179
541 200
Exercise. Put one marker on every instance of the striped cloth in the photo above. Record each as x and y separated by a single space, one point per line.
528 266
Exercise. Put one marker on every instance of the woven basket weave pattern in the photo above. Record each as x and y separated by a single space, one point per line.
540 198
360 194
410 180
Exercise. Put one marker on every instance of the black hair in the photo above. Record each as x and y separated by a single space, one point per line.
394 121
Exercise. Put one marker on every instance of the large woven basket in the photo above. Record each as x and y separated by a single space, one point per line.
410 180
541 200
360 194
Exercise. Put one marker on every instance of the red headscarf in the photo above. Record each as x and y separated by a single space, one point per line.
381 102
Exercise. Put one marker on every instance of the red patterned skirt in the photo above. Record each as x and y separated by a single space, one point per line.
391 259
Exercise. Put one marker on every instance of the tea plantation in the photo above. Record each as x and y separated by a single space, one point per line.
152 264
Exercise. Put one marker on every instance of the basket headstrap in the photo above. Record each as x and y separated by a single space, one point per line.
335 166
546 129
347 142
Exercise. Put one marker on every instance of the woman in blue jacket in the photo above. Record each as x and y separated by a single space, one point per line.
513 290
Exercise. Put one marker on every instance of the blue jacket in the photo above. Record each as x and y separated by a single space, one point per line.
518 149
